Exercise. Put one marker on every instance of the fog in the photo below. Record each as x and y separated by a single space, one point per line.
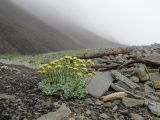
132 22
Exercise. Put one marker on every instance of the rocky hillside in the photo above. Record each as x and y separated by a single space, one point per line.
126 86
22 33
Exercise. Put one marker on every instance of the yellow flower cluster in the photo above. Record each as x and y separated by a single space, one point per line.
67 67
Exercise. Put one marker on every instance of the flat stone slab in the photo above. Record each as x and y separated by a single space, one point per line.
100 84
155 78
130 102
5 96
136 116
60 114
153 57
154 107
118 76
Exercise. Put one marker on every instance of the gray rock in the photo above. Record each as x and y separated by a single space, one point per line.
120 58
141 73
149 91
118 76
123 85
153 106
56 105
5 96
88 112
138 54
46 103
108 104
99 84
134 79
136 116
155 57
115 108
98 102
104 116
89 101
130 102
81 117
120 89
155 78
61 113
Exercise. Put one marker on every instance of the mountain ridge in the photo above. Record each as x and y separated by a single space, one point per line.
22 33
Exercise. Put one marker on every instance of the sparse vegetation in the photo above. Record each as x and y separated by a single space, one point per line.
67 74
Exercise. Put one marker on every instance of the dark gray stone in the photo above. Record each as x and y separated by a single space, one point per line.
142 73
104 116
100 83
61 113
130 102
153 57
136 116
134 79
153 106
5 96
155 78
118 76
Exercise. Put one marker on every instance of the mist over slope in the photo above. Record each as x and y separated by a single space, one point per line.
21 32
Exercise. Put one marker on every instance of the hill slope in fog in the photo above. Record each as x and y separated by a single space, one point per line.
20 32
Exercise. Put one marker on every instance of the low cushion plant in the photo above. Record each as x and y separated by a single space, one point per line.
68 74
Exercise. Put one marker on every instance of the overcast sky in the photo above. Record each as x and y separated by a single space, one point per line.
134 22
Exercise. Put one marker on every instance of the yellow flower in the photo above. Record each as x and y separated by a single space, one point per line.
76 65
75 69
39 71
43 71
90 62
84 69
44 65
68 57
61 59
83 65
90 74
56 61
58 66
67 66
52 63
49 67
80 60
79 74
41 67
70 67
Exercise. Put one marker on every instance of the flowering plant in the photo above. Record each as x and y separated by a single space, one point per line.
68 74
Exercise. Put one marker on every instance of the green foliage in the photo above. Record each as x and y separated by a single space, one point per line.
67 74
